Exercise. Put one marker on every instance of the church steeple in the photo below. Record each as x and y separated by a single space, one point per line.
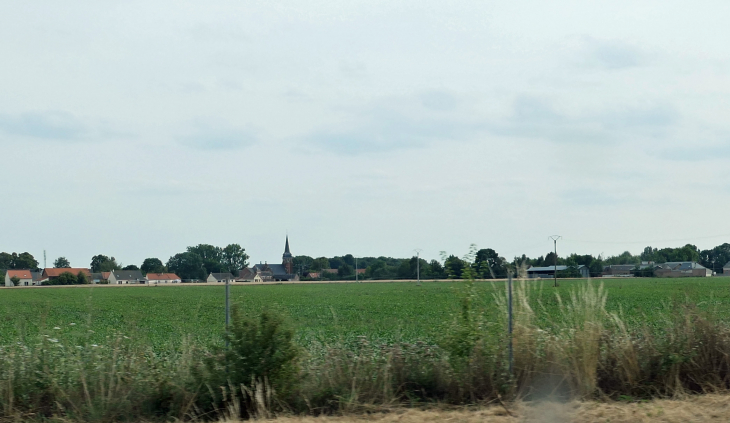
287 259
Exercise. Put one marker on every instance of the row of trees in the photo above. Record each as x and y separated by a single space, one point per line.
196 262
488 264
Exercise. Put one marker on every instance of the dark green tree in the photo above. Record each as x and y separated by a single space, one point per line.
130 267
345 271
18 261
489 265
234 258
210 255
62 263
102 263
152 265
320 263
82 279
437 270
65 278
187 265
454 267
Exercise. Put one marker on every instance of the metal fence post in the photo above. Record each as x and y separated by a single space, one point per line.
509 324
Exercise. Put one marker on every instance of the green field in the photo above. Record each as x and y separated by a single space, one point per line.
164 316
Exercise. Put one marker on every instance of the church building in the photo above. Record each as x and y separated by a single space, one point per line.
265 272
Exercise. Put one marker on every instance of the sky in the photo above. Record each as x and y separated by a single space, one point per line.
136 128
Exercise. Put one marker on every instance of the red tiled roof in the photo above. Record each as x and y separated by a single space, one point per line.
20 274
162 276
53 272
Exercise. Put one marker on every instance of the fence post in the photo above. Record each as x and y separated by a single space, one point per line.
509 324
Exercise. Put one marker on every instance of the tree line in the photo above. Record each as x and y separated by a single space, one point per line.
196 262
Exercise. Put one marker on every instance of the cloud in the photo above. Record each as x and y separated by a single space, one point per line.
537 118
52 125
217 137
592 52
385 131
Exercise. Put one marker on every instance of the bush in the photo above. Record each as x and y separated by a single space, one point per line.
261 361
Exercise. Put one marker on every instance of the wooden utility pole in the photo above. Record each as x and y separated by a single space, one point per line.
555 239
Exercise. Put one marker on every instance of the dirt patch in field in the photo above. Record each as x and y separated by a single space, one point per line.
705 408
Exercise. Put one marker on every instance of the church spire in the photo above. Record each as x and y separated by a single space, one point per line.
287 259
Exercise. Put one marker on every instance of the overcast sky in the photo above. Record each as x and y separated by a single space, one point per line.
137 128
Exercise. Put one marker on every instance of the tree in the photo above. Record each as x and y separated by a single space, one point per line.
65 278
61 263
82 279
15 280
303 263
320 263
489 265
18 261
210 255
454 266
345 271
187 265
102 263
152 265
335 262
234 258
130 267
437 271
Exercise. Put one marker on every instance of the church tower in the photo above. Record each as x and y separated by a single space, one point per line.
287 259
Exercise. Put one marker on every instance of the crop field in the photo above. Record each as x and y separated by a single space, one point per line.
163 317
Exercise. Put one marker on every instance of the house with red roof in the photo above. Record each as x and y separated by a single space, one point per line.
155 278
25 278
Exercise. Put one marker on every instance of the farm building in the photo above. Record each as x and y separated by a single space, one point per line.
625 270
220 277
726 269
124 277
155 278
682 269
549 271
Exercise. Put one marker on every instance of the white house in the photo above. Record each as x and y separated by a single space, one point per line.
220 277
123 277
25 277
155 278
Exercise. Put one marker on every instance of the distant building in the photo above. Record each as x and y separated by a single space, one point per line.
549 271
125 277
25 278
264 272
726 269
157 278
682 269
220 277
100 277
625 270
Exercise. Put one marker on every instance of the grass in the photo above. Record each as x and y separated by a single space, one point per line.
386 312
107 354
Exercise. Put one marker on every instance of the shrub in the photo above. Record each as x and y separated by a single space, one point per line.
261 359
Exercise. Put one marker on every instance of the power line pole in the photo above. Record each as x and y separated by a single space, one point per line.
555 239
418 265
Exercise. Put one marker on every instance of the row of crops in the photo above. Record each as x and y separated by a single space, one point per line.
165 316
